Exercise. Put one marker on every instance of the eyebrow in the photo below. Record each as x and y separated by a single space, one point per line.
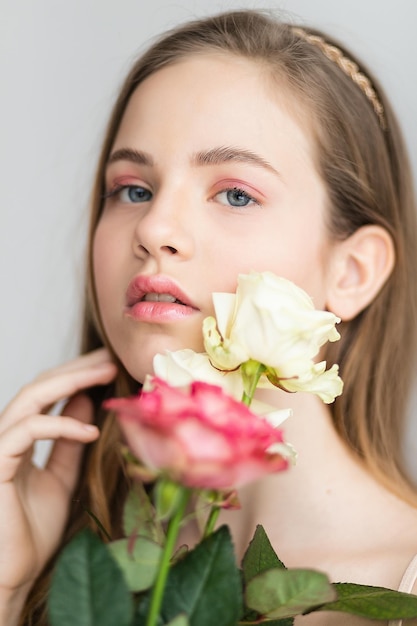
215 156
224 154
128 154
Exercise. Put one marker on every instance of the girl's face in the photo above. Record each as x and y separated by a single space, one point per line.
210 176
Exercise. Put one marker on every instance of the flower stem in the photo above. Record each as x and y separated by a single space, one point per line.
211 521
163 569
253 378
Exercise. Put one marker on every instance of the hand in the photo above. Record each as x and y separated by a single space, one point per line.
34 502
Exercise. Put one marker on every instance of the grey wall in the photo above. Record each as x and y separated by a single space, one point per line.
60 65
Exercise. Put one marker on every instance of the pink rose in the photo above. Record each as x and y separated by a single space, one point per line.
199 437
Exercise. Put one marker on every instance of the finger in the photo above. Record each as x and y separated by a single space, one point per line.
93 359
18 440
40 394
102 355
65 457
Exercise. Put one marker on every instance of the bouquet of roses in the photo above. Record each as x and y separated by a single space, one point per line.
194 435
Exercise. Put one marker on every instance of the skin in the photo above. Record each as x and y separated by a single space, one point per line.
35 501
175 217
184 224
327 512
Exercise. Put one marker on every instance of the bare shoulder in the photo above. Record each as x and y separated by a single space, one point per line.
383 542
384 556
385 566
374 548
337 619
398 546
342 619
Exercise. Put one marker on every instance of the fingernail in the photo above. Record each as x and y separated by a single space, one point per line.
90 428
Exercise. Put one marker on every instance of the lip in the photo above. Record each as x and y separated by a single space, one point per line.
157 311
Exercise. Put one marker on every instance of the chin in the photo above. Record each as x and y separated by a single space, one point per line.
138 361
138 374
138 364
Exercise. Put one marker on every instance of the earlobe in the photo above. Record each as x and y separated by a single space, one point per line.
360 267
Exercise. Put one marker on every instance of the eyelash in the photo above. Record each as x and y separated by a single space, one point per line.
117 189
242 192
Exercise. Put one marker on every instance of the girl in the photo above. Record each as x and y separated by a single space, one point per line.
237 143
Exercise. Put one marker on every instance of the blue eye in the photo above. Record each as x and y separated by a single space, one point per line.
235 197
135 194
130 193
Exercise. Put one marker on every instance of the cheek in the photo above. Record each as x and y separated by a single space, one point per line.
294 251
99 262
106 261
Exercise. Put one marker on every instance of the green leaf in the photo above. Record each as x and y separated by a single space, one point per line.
259 556
88 588
180 620
280 593
142 611
138 559
206 584
139 515
250 620
372 602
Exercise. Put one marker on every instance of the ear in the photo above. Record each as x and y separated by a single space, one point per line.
360 266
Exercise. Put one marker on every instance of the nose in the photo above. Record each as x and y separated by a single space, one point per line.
165 227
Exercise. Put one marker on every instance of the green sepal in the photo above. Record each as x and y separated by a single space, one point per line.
251 372
167 497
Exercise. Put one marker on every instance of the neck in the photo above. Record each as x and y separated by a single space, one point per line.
313 503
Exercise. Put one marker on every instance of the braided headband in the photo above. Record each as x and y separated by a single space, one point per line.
347 66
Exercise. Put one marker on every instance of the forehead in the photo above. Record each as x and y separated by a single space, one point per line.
217 97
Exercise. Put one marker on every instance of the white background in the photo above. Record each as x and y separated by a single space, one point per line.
61 63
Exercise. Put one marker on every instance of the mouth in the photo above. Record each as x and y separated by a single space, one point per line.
157 296
153 296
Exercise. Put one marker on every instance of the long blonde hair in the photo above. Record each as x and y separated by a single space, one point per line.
362 160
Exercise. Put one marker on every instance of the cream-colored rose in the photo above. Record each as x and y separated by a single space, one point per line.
326 384
182 367
272 321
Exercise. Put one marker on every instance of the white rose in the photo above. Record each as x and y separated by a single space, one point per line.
182 367
272 321
326 384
